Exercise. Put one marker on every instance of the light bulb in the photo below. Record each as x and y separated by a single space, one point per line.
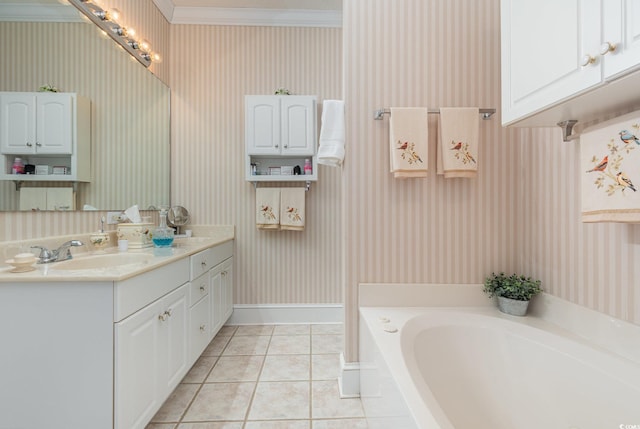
155 57
145 45
129 32
114 14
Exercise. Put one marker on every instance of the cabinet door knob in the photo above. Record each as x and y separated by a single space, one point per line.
38 144
29 144
168 312
587 60
607 47
286 146
202 327
224 273
202 289
277 146
162 317
203 264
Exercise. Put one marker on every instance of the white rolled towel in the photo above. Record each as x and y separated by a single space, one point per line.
331 149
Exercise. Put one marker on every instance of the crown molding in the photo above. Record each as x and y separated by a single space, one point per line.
40 13
250 16
165 7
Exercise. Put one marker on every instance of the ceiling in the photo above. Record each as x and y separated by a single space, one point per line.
263 4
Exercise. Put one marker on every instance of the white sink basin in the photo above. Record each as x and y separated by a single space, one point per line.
101 261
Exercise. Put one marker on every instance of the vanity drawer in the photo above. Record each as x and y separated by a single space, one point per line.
200 263
199 328
198 289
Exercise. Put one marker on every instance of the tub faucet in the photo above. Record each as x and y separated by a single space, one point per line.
62 253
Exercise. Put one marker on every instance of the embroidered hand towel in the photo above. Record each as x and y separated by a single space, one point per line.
268 208
331 149
609 160
457 151
292 209
408 142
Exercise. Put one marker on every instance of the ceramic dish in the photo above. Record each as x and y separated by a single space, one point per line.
22 266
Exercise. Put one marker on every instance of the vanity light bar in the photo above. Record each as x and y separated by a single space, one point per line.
107 22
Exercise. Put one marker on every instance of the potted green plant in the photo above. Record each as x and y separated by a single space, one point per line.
514 292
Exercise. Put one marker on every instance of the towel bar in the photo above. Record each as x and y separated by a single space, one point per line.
307 187
486 113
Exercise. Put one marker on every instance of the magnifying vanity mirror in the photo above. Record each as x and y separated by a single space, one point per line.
130 110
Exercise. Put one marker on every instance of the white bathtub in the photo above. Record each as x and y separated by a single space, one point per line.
474 368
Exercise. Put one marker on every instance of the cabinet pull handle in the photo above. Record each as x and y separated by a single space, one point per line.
607 47
202 328
587 60
203 264
29 144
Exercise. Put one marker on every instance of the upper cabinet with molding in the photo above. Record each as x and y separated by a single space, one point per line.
574 59
42 128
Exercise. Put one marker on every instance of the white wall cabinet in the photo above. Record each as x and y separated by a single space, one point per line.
556 61
51 129
280 130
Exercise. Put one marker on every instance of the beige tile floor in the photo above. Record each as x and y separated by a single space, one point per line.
264 377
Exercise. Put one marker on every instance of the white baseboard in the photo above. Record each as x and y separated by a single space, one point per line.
349 379
282 314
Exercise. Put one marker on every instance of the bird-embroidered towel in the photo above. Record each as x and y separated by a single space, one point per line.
408 142
292 209
457 151
268 208
610 170
331 148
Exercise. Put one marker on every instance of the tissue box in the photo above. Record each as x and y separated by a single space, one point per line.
138 234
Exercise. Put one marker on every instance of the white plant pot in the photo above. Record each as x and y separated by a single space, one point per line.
512 306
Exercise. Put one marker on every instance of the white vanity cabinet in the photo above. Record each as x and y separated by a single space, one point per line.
221 280
280 130
52 129
568 60
84 351
151 345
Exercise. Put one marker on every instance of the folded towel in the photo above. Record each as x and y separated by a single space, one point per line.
268 208
458 146
609 160
408 142
331 149
292 209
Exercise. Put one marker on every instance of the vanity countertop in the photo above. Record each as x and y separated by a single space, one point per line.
157 257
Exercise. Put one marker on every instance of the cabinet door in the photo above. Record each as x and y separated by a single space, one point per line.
298 125
17 123
621 28
54 121
543 46
227 289
215 292
262 125
137 365
174 345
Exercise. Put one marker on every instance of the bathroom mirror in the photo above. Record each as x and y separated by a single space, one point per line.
130 110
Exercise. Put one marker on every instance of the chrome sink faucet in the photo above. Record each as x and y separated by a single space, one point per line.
62 253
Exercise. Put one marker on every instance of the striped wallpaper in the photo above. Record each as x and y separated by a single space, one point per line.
213 67
521 213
